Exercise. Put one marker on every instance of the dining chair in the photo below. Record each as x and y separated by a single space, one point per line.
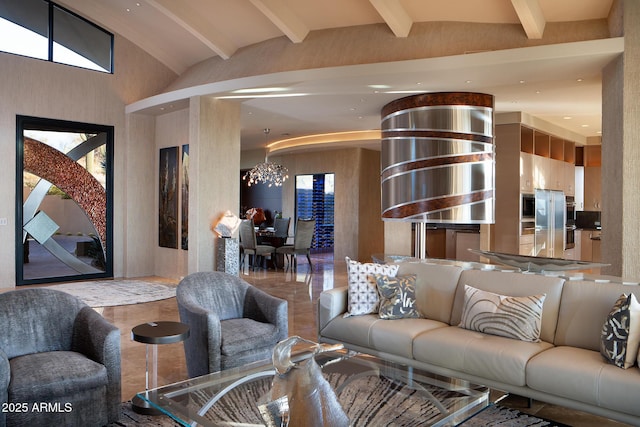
250 246
281 228
302 239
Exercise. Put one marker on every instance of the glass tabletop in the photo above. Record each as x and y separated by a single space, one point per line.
370 390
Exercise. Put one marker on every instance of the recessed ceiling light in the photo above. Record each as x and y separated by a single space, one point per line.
419 83
128 10
584 126
567 117
521 81
469 81
352 109
579 80
538 92
379 86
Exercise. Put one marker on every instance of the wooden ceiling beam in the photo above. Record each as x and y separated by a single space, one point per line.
196 25
395 15
531 17
283 18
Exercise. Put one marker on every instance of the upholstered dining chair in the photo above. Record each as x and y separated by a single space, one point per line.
232 322
281 228
250 246
302 239
55 350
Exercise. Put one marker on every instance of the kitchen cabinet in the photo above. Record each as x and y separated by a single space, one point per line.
527 245
526 173
526 159
569 179
592 188
589 248
595 250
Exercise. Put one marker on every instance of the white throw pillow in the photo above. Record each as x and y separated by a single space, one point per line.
621 332
363 291
512 317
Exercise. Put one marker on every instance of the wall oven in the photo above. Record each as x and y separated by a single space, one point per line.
528 206
570 225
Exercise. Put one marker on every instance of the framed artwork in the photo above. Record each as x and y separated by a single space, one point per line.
184 186
168 198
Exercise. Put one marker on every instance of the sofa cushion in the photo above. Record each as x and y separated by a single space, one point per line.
397 336
397 297
582 375
621 332
486 356
517 285
435 288
369 331
581 328
511 317
363 292
354 329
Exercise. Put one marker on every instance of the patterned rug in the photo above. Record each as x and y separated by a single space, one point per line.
109 293
367 402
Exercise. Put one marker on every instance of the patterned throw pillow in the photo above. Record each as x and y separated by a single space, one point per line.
512 317
397 296
621 332
363 292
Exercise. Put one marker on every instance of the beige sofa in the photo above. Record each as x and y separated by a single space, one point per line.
565 368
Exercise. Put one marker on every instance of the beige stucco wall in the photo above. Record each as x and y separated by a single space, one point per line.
38 88
621 151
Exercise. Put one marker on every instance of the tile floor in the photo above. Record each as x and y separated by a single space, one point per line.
301 289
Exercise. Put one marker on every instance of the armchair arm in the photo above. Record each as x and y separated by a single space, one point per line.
332 303
263 307
99 340
5 377
202 348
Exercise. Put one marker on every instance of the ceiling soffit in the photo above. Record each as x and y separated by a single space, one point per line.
369 44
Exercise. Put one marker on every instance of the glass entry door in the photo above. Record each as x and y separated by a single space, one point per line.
64 201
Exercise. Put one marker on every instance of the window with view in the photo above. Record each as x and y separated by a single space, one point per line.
43 30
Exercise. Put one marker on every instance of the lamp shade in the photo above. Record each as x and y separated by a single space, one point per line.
437 160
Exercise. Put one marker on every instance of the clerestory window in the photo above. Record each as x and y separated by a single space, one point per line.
44 30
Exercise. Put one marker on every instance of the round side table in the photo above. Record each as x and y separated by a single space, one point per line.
152 334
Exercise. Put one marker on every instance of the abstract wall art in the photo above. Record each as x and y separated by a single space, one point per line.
168 198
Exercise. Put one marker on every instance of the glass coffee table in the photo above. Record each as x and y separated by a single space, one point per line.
372 392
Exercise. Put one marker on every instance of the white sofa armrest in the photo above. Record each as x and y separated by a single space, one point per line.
332 303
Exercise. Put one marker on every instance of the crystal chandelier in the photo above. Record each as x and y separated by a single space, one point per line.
267 172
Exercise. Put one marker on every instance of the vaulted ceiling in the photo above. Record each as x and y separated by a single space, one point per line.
183 33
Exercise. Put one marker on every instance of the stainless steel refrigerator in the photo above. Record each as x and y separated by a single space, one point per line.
550 223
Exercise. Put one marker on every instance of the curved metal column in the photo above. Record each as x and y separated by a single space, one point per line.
438 161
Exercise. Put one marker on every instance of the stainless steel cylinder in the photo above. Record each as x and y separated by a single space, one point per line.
438 162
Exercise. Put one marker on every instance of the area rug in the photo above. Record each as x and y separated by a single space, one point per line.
500 416
109 293
365 406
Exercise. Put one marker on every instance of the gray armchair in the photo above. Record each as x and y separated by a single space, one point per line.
232 323
55 350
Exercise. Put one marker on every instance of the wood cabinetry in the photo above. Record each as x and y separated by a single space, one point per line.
547 162
589 247
539 160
